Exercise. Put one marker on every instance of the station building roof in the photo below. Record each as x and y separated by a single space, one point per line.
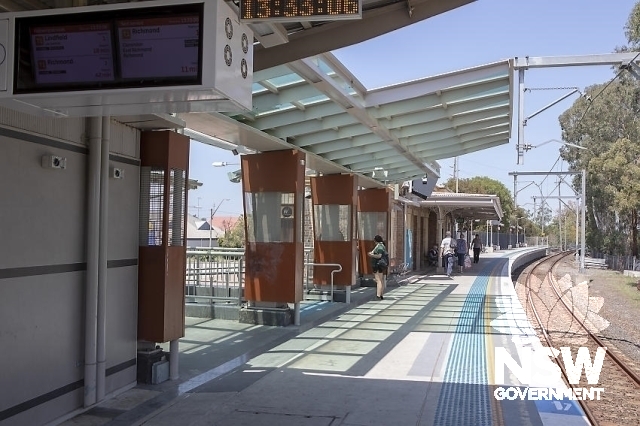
467 206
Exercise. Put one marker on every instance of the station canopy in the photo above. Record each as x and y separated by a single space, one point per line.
385 135
465 206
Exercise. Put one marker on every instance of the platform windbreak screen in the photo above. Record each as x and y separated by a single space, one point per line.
177 207
270 217
371 224
332 222
151 206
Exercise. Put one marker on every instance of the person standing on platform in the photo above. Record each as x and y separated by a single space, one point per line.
477 247
461 251
432 256
447 248
380 262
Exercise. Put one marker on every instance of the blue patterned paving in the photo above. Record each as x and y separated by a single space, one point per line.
465 397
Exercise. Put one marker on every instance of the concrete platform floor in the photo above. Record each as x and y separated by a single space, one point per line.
418 357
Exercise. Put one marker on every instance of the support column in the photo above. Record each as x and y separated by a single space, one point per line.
584 217
93 260
164 165
101 347
174 358
521 118
439 268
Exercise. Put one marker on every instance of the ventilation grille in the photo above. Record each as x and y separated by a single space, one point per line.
151 206
177 207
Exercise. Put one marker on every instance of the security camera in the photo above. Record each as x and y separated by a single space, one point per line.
54 162
117 173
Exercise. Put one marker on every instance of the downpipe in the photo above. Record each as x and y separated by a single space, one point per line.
93 260
103 257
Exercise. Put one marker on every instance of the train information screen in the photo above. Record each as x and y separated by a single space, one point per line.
160 47
295 10
72 53
145 47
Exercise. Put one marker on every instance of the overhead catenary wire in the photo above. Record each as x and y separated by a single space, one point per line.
602 91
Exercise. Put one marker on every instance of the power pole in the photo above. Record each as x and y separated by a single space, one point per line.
455 172
197 208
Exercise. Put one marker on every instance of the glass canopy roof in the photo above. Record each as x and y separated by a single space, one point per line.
398 131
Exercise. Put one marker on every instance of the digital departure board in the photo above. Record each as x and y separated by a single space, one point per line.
159 47
299 10
143 47
72 53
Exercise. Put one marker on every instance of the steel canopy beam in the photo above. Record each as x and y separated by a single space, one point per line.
354 107
337 34
573 61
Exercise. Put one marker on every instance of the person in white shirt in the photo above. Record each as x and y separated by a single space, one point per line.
447 250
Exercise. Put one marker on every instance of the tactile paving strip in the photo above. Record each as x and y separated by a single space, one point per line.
465 396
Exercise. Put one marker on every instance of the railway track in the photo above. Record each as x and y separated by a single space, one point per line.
563 317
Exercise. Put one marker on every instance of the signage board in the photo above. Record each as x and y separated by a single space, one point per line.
299 10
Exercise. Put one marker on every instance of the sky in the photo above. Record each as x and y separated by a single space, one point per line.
479 33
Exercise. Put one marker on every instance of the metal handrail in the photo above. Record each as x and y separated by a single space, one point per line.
332 272
219 269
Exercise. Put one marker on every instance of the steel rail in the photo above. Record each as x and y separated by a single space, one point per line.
632 375
557 258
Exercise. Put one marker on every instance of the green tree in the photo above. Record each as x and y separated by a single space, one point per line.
632 29
606 125
606 122
234 237
617 172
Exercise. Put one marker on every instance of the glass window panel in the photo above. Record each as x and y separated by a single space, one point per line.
332 222
270 217
371 224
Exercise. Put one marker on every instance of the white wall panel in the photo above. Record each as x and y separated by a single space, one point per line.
41 330
43 237
123 213
42 210
122 314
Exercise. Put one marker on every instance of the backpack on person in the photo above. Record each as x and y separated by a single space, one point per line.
383 262
461 246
